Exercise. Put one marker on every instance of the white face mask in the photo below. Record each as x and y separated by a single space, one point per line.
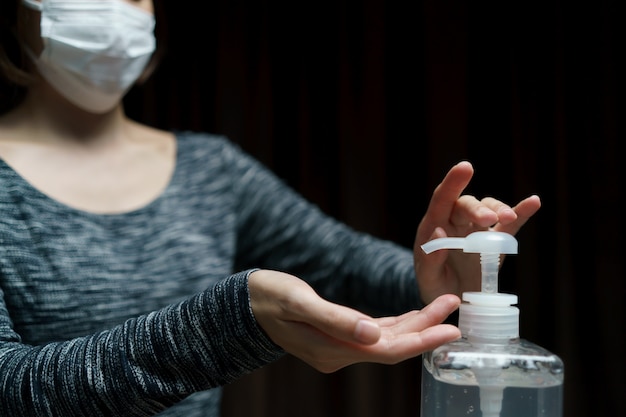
94 50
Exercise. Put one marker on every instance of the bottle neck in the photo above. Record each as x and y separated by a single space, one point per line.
488 322
477 340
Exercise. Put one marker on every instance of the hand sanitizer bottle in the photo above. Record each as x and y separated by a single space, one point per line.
490 371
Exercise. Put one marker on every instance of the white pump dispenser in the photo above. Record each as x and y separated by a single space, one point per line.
470 375
488 314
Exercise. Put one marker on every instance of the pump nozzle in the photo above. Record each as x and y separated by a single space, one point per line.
477 242
489 244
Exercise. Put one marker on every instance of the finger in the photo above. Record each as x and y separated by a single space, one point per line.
340 322
428 339
401 347
524 210
390 349
438 310
397 338
402 337
505 214
446 194
468 211
414 321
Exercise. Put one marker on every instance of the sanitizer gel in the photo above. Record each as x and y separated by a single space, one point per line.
490 371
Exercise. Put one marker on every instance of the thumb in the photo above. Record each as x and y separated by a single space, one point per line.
276 297
340 322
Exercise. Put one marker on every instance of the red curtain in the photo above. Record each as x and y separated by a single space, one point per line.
363 106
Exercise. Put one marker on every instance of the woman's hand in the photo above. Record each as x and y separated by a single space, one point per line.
329 337
452 214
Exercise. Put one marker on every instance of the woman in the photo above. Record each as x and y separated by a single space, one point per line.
139 268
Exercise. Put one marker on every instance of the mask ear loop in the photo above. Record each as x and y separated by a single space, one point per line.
33 4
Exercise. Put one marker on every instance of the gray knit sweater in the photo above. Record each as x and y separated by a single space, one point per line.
145 312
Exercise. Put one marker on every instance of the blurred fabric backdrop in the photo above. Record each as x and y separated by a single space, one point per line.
363 107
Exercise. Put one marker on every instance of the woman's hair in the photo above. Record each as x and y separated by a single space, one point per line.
14 76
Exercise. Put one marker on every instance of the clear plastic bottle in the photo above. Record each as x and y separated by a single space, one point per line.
490 371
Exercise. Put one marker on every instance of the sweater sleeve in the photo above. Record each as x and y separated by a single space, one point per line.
140 367
279 229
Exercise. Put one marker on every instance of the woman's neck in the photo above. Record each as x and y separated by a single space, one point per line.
102 163
53 118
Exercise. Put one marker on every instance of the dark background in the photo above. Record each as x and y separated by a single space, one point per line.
363 107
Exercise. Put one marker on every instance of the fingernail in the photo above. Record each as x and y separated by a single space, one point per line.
366 331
